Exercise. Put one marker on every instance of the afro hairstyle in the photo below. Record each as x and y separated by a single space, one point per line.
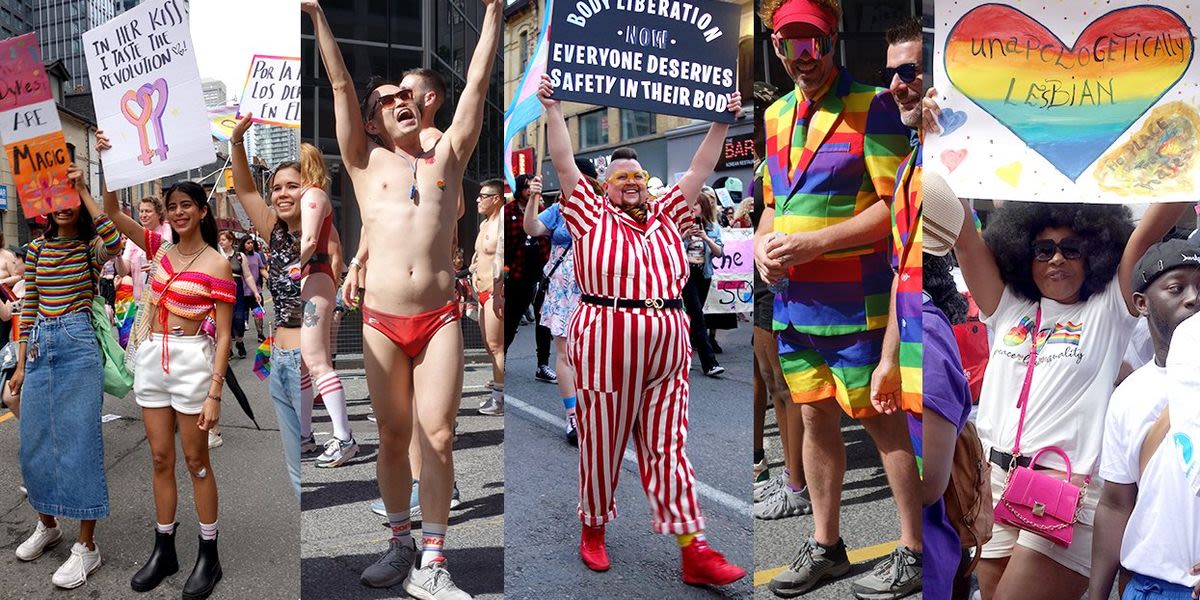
1104 229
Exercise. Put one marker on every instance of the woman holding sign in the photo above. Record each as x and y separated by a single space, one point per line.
60 372
629 341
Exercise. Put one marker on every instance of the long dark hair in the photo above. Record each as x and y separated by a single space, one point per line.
84 224
208 224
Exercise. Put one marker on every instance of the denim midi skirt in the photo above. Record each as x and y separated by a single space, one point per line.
62 450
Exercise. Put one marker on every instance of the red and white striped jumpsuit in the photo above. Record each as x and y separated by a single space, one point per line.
631 365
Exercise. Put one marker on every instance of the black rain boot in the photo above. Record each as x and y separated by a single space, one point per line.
205 574
162 563
241 348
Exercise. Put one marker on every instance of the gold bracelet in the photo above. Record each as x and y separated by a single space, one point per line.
212 397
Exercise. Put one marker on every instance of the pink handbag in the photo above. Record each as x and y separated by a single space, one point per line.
1033 500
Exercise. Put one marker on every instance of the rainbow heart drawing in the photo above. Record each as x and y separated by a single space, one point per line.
1068 103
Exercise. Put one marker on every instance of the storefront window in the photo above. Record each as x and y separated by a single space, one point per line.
593 129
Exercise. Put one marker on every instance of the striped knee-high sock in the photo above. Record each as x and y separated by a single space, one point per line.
433 540
306 405
334 396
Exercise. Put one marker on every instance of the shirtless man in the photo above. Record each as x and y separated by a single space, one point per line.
412 337
486 275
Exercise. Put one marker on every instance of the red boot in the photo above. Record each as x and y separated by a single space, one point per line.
592 550
704 566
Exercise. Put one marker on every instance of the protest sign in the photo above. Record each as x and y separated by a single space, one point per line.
732 288
272 91
1057 102
659 56
222 120
146 91
30 129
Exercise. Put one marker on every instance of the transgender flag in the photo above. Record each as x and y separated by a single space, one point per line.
526 107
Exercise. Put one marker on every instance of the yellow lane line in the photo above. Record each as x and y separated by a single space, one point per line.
6 416
860 555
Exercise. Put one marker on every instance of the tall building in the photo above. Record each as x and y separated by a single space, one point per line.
274 145
60 24
16 18
215 92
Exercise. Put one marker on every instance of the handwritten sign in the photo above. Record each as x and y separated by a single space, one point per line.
222 120
272 91
31 131
146 91
660 56
732 289
1057 102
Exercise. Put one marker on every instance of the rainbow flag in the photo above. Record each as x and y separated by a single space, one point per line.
525 107
262 360
256 312
1067 334
124 310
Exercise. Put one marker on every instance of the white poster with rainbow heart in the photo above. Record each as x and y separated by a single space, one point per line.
146 91
1083 101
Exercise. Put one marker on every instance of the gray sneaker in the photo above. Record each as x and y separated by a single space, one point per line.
493 407
894 577
432 582
764 489
812 564
392 567
783 503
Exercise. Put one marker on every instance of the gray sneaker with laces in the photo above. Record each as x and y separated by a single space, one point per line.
783 503
432 582
392 567
813 563
763 489
896 576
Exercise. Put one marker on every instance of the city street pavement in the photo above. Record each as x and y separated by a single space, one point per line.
259 540
542 529
341 536
870 526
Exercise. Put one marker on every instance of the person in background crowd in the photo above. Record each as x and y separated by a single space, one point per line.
488 276
702 242
524 260
256 264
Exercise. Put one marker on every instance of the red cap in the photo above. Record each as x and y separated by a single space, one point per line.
805 11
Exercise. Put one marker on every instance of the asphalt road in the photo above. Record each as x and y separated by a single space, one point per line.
259 516
341 536
542 529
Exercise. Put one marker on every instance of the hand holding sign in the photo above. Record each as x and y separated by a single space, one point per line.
272 90
545 92
239 130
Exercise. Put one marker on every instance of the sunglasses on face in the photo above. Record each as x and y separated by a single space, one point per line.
794 48
1044 250
389 101
626 176
908 73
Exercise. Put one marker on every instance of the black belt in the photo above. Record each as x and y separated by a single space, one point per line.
1004 460
624 303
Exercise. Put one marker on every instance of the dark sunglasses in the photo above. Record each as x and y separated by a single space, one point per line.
1044 250
908 73
389 101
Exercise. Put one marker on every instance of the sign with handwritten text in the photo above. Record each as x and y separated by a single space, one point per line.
272 91
146 91
659 56
732 288
30 129
1067 102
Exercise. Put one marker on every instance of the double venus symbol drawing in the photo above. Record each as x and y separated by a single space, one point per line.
151 108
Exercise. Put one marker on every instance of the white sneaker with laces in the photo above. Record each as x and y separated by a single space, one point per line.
214 440
75 571
493 407
337 453
43 537
432 582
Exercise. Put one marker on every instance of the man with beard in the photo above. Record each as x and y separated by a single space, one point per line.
1166 284
412 337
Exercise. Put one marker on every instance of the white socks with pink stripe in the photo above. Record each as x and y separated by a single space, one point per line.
334 397
208 531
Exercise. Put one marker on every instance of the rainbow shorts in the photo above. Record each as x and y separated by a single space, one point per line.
819 367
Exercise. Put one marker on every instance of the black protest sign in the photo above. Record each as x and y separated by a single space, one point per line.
659 56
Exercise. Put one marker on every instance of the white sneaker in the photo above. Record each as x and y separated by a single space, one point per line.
214 440
43 537
75 571
493 406
337 453
432 582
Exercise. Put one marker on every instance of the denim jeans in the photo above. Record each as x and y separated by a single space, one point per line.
1143 587
62 449
285 391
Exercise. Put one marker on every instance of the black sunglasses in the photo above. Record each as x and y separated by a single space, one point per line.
908 73
1044 250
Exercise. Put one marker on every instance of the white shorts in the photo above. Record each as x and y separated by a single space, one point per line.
1077 557
186 387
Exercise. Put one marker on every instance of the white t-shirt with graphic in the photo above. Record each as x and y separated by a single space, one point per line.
1134 407
1080 351
1183 368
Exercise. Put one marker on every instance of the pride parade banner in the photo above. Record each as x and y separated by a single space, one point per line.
30 129
732 288
146 91
1067 101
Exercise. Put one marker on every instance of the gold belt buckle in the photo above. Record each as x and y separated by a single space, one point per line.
654 303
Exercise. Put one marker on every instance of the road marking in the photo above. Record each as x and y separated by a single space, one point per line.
729 501
860 555
6 416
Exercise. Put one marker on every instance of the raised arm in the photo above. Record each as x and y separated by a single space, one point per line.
533 225
348 120
261 215
110 238
463 133
708 154
1155 224
978 265
314 205
558 138
126 224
